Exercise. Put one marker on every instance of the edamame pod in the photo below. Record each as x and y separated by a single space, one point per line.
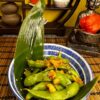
35 78
73 72
69 76
40 86
70 91
59 87
27 73
63 59
37 63
63 79
74 76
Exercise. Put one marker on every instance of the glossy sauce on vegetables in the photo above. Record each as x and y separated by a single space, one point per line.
52 78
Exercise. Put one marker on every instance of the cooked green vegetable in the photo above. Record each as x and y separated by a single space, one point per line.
52 81
38 63
40 86
35 78
27 73
66 93
64 81
59 87
85 89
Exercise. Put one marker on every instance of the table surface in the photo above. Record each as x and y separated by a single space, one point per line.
7 49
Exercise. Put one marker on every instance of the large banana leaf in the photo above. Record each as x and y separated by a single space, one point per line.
30 40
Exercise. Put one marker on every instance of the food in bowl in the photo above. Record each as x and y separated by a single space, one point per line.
52 78
77 62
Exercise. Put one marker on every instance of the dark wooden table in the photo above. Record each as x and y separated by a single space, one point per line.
7 49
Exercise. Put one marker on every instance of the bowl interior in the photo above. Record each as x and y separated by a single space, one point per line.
76 60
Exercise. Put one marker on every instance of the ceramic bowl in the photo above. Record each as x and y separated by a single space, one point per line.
76 61
61 3
87 37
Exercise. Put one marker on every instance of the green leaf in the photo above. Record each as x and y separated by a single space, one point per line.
85 90
30 40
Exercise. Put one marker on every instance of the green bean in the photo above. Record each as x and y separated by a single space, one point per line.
36 70
66 81
63 79
73 72
49 68
60 55
59 87
70 91
74 76
45 77
35 78
65 66
37 63
39 86
51 57
32 79
27 73
69 76
63 59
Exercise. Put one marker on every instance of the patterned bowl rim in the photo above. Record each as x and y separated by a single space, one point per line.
72 50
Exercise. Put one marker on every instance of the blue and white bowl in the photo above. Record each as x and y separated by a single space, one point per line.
76 60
